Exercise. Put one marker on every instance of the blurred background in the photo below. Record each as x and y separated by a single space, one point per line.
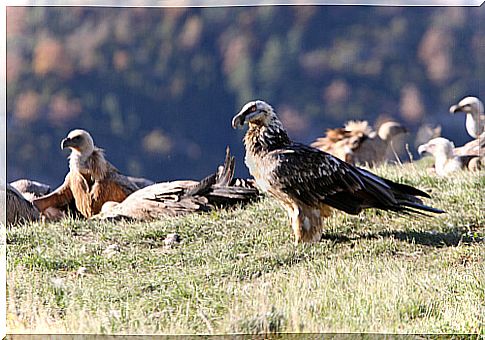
157 87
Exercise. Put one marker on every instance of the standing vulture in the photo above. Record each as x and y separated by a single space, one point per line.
475 118
358 143
308 182
91 181
183 197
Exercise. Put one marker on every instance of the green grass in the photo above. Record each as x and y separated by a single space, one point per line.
239 271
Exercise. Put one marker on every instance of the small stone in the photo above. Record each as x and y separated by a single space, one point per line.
81 271
111 250
115 313
57 282
172 239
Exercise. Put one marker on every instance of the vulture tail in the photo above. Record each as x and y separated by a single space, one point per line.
394 196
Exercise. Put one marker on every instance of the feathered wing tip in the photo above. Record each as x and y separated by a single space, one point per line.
229 190
406 196
222 177
227 171
221 188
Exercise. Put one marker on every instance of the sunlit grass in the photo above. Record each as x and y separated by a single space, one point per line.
238 271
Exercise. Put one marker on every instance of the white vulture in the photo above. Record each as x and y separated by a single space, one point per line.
308 182
475 118
445 161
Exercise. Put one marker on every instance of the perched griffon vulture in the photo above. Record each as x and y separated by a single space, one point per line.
445 160
342 142
91 181
357 143
309 182
183 197
475 118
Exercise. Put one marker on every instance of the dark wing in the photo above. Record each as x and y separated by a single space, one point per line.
183 197
18 208
312 177
124 183
32 187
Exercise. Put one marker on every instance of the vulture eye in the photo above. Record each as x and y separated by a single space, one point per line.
253 109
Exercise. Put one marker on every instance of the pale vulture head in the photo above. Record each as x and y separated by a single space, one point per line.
438 147
79 141
388 130
255 112
471 105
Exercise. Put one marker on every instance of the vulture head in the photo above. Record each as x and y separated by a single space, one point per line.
255 112
471 105
79 141
438 147
388 130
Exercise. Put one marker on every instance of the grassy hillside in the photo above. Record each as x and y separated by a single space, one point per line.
239 271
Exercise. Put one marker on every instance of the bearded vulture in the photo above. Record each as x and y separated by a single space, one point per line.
91 181
183 197
308 182
475 118
358 143
445 159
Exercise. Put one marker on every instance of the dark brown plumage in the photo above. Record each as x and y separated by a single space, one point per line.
31 189
309 182
183 197
19 209
91 181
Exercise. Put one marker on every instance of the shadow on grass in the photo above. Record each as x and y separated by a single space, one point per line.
452 238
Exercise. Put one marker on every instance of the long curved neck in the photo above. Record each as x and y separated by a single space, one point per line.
473 124
93 164
266 138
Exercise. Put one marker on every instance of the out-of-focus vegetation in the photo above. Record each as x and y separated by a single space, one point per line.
157 87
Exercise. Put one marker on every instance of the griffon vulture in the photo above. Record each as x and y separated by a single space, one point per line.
445 161
475 118
358 143
91 181
308 182
183 197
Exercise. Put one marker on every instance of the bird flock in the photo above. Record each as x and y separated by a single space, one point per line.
308 181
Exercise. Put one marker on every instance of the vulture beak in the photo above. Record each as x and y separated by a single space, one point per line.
455 109
422 149
66 143
239 120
